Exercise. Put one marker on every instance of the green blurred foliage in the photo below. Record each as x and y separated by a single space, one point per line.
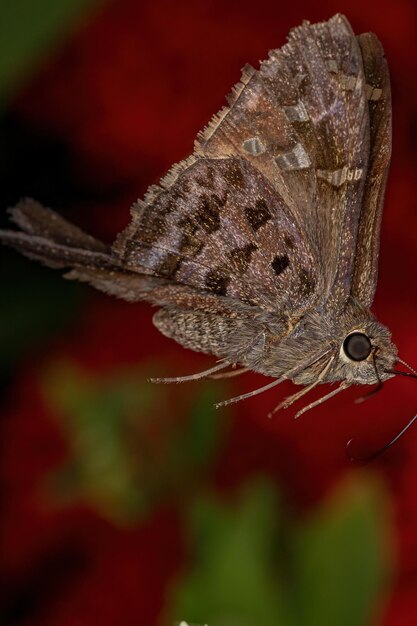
233 582
253 565
29 29
340 557
250 562
127 447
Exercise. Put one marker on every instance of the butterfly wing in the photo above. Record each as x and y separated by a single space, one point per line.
303 120
263 218
365 273
221 228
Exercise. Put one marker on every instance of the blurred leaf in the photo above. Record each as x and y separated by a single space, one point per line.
198 442
340 558
29 29
127 447
101 469
252 566
232 582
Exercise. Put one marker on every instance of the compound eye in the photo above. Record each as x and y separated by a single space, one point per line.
357 346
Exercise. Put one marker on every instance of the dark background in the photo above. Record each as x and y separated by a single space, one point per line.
125 503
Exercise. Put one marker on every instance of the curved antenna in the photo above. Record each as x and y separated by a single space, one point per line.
376 454
370 394
399 373
406 365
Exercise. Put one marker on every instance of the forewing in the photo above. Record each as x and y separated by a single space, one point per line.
379 95
278 209
302 120
222 228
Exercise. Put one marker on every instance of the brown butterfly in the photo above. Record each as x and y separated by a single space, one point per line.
261 248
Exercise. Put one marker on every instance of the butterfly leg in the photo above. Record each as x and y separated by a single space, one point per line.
293 372
291 399
406 365
230 374
296 396
255 392
182 379
342 387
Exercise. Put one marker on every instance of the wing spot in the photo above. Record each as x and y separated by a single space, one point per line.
332 66
241 257
188 225
307 283
297 112
258 215
338 177
169 266
373 93
208 213
174 199
151 228
190 246
233 174
349 82
299 79
289 241
206 178
280 263
295 159
217 282
254 146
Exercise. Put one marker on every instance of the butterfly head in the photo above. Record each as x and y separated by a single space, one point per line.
365 353
358 350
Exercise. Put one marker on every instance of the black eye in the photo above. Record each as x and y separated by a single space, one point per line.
357 346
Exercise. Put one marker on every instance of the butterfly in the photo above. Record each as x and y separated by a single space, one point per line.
261 248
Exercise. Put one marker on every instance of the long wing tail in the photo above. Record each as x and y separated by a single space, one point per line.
47 237
50 239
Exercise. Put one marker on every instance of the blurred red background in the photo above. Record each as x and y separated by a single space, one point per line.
113 490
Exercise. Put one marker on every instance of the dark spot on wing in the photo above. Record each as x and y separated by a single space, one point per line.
152 226
208 213
233 175
280 263
307 283
169 266
169 206
241 257
153 223
258 214
131 246
217 281
188 225
205 178
170 203
289 241
152 219
185 185
190 246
